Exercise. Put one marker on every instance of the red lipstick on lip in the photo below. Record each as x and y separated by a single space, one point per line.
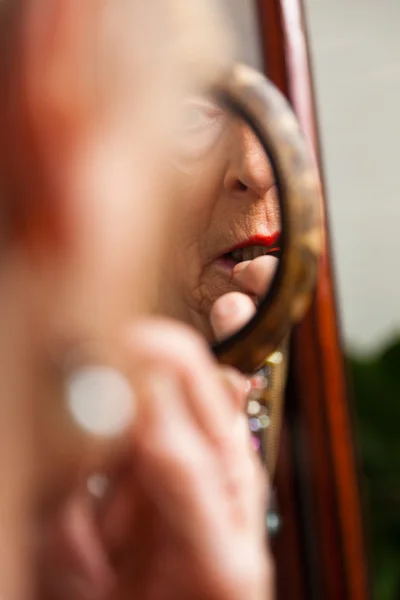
272 242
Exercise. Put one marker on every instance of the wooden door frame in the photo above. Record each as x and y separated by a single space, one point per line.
322 547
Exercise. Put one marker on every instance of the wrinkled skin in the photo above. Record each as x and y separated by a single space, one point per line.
66 278
229 197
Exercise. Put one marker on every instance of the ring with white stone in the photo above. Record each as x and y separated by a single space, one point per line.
100 400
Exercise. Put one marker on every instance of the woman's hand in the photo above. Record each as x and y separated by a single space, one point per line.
233 311
183 518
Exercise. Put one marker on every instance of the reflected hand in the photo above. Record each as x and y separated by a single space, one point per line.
234 310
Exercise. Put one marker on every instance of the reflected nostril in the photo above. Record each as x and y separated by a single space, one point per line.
240 186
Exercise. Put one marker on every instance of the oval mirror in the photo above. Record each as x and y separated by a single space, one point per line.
248 235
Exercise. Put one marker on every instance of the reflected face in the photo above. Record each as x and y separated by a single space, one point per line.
230 212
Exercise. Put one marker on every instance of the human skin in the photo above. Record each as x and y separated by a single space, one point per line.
230 201
184 517
56 275
71 183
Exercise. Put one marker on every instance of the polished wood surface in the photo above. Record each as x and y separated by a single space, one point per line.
321 551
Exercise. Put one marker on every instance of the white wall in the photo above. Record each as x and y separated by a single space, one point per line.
244 20
356 55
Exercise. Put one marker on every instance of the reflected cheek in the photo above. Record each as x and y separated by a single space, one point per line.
272 210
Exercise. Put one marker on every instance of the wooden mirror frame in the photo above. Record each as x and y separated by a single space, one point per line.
321 549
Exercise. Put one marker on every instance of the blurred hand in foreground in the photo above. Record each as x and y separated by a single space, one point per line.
183 514
88 95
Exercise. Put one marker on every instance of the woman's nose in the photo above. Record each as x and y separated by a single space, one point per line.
249 171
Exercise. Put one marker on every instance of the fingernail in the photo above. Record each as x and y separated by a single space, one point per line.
228 307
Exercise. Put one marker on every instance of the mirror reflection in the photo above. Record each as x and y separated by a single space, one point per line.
227 242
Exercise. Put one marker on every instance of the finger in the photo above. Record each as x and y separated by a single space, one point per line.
185 353
230 313
238 385
211 522
244 478
212 418
73 545
255 276
175 462
82 541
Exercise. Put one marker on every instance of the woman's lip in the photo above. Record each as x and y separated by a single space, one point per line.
269 241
